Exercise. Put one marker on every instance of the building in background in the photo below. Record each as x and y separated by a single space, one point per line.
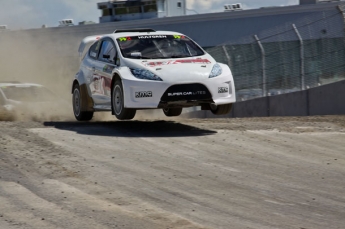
119 10
66 22
233 7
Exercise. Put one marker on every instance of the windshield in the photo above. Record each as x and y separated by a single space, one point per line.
28 93
158 47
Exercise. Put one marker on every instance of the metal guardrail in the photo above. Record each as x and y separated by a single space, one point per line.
287 58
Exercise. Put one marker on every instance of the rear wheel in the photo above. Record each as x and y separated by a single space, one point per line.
77 102
171 112
222 109
118 107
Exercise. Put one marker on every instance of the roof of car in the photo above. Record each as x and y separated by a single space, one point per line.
131 34
122 33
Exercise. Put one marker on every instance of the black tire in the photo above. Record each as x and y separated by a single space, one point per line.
171 112
117 103
222 109
78 103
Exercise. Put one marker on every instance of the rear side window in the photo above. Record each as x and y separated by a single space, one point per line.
94 49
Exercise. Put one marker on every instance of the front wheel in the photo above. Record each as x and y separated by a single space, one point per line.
171 112
222 109
77 102
118 107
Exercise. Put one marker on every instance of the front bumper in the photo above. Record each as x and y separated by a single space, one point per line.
143 94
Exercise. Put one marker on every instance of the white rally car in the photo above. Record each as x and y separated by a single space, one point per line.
146 69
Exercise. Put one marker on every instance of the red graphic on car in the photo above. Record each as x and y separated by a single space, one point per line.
100 85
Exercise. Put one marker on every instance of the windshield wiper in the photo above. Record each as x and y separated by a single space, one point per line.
140 57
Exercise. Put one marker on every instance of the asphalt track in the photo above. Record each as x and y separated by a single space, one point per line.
174 173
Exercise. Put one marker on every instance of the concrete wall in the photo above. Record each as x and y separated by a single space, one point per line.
324 100
291 104
328 99
303 2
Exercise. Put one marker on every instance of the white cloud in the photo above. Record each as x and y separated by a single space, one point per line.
10 11
34 13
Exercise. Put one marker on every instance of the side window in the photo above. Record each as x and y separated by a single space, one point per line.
93 51
108 52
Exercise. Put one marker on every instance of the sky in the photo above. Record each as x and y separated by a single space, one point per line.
28 14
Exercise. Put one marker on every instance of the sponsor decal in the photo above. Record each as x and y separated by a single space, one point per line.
125 39
151 37
100 85
143 94
223 90
170 62
179 37
108 68
187 93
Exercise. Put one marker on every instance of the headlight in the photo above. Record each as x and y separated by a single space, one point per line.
144 74
216 71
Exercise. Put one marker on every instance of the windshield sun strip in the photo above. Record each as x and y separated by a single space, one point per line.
158 47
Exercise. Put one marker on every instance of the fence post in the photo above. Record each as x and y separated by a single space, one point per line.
301 55
263 55
227 55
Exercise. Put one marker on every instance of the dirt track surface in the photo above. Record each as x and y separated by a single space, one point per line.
219 173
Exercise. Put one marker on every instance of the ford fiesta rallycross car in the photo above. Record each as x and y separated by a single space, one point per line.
137 69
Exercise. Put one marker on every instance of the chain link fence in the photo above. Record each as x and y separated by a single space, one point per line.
291 57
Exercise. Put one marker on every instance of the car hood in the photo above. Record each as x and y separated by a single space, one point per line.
172 70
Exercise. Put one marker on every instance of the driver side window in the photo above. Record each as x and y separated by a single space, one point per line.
108 52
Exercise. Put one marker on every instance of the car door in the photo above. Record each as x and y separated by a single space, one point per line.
102 76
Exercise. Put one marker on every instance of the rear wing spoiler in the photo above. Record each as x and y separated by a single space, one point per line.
86 41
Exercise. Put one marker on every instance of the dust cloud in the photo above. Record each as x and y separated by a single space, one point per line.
48 57
30 58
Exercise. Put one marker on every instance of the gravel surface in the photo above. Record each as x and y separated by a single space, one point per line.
277 172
